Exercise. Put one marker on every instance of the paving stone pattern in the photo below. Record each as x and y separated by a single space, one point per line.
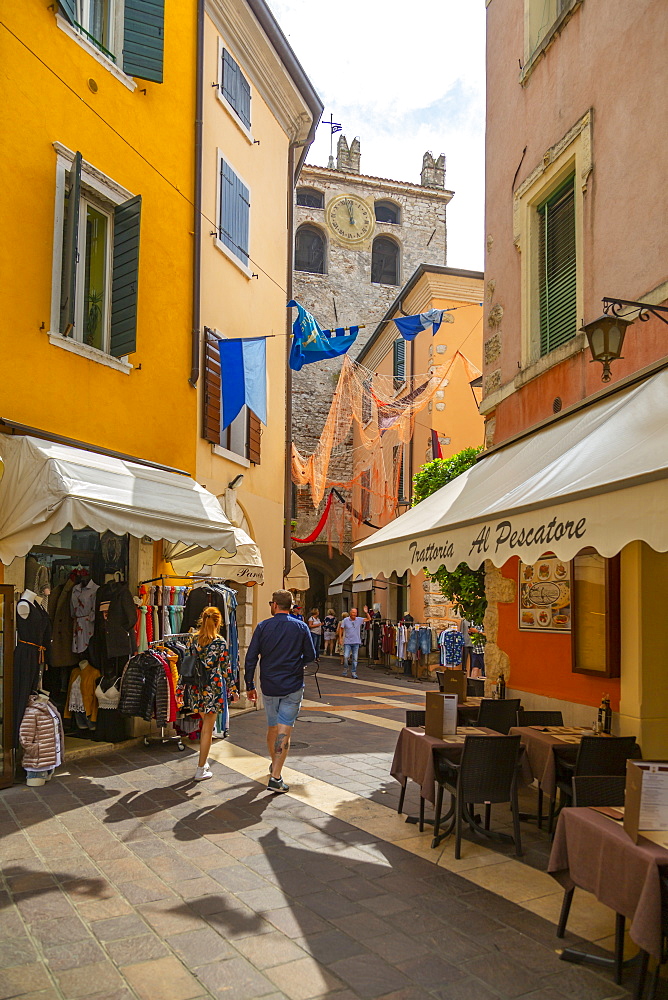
122 878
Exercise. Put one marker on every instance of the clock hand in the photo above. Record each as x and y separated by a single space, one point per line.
349 205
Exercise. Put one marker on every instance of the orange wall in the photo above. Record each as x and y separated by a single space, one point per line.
540 662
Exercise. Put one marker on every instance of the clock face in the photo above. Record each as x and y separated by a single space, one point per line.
350 219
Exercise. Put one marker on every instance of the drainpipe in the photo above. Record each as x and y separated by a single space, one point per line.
293 174
197 221
287 498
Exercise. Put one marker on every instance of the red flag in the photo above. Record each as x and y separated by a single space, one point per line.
435 446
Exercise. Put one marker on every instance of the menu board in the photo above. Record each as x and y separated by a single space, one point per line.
545 596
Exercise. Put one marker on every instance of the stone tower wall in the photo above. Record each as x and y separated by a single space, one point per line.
345 295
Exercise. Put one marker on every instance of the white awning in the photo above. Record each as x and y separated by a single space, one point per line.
596 478
297 578
47 486
243 567
338 585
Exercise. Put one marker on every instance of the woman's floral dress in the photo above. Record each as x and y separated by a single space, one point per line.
220 685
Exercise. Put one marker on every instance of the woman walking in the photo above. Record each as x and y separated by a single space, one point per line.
330 625
315 628
217 686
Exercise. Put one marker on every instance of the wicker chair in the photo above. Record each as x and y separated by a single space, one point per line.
414 718
539 718
597 790
498 715
487 773
597 756
475 687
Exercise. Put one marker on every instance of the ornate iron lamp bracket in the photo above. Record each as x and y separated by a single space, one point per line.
614 307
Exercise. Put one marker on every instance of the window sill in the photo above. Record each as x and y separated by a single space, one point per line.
312 274
541 48
535 369
91 353
231 456
247 134
98 56
233 257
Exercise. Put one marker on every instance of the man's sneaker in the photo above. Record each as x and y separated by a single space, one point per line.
345 673
202 773
277 785
354 676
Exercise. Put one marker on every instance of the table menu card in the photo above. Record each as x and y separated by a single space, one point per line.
646 797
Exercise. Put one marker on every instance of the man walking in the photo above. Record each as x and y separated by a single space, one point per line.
284 646
350 633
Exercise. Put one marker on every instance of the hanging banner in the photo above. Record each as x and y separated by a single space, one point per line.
243 378
311 343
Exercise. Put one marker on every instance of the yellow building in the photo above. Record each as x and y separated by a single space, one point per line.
452 413
110 276
258 122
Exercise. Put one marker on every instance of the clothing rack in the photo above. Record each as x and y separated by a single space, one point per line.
163 738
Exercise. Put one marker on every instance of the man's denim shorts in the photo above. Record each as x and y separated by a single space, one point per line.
283 711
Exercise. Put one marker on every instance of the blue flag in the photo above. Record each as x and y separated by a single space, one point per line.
410 326
243 378
310 343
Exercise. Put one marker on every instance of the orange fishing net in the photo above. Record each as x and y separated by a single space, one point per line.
383 415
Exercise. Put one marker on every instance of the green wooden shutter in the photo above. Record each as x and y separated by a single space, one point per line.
70 250
557 268
144 39
69 9
399 362
125 274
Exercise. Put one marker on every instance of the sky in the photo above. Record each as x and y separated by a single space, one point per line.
405 78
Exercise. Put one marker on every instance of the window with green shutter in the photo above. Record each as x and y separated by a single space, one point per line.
557 268
143 33
234 212
100 266
235 88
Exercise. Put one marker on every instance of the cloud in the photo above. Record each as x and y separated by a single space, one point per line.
405 80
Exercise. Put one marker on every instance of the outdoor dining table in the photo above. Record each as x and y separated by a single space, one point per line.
467 711
542 745
594 852
414 757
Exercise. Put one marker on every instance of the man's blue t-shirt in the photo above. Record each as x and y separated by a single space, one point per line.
284 647
352 630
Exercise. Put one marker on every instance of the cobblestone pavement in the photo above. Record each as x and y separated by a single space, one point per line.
123 878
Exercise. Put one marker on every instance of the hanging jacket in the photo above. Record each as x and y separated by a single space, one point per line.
62 625
144 689
115 631
39 737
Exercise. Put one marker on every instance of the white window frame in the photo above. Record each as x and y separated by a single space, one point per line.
105 193
247 133
112 67
572 154
86 200
220 157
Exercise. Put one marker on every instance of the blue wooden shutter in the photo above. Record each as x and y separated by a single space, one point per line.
125 273
236 89
557 268
69 9
235 212
144 39
70 250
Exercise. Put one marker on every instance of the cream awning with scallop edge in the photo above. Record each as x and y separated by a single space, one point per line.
597 478
245 566
47 486
297 578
